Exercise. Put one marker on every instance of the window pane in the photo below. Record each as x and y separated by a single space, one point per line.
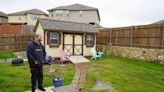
59 13
54 38
67 13
33 17
54 41
89 40
81 13
54 35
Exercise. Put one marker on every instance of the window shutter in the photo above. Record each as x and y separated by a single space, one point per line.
48 38
59 38
86 39
93 40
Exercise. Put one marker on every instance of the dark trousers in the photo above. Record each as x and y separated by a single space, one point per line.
36 75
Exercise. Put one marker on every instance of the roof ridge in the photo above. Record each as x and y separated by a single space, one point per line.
71 5
27 11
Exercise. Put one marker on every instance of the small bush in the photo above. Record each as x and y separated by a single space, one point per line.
8 54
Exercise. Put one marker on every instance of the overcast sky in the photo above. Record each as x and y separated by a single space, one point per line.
113 13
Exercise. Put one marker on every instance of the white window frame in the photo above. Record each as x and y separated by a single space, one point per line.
81 13
33 17
19 18
89 38
59 13
67 13
55 38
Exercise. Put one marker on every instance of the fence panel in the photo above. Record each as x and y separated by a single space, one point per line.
14 42
146 36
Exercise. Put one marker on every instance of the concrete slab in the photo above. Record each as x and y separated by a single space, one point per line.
68 88
78 59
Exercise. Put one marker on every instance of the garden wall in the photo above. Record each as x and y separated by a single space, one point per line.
150 55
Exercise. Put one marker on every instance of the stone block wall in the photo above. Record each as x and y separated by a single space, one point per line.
149 55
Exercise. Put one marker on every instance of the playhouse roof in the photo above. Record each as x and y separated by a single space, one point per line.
48 24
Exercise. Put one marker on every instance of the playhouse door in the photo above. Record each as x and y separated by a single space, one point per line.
68 44
73 44
78 44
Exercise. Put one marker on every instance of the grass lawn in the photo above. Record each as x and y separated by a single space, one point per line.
8 54
17 78
126 75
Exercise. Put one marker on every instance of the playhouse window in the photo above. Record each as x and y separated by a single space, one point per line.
89 40
54 38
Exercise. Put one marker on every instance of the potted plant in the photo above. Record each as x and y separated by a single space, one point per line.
58 81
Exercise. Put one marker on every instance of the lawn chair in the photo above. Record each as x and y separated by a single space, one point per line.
95 54
64 57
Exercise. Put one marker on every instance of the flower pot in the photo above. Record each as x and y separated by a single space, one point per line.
58 81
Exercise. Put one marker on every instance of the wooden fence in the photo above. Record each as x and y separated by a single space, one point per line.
146 36
16 29
14 42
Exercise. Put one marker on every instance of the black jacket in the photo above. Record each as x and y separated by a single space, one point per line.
35 52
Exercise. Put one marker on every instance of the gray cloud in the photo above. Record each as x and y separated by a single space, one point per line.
113 12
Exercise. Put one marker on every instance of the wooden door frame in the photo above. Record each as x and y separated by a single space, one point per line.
73 45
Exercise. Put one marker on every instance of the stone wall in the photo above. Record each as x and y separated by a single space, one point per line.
21 54
149 55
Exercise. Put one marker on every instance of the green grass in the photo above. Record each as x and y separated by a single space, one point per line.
4 55
17 78
126 75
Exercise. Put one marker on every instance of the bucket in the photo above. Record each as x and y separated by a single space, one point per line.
58 81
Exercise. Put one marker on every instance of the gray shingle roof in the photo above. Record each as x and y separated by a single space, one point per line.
2 14
32 11
159 22
48 24
74 7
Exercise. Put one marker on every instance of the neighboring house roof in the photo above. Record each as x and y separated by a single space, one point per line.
76 7
48 24
159 22
32 11
2 14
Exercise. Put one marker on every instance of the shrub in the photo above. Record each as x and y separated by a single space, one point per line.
7 54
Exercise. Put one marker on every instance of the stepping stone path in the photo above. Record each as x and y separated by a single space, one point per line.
100 85
79 78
